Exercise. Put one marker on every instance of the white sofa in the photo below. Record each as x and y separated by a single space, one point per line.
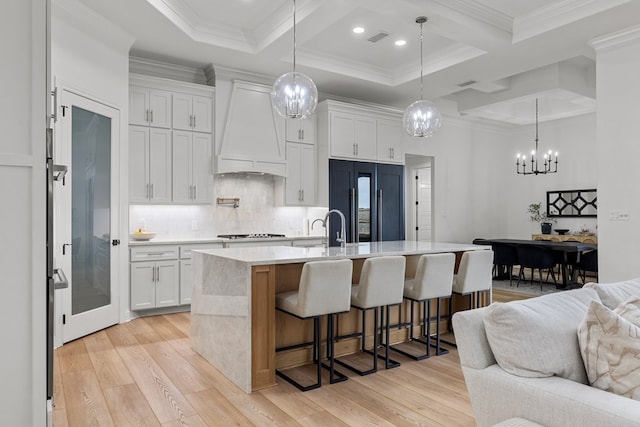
536 341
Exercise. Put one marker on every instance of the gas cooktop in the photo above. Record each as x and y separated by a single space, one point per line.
250 236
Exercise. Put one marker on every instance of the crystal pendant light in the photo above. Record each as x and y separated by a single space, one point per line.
294 95
421 118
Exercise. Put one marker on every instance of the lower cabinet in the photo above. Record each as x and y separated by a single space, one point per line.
186 281
154 284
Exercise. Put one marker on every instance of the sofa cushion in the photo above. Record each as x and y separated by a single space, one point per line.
612 294
610 346
538 337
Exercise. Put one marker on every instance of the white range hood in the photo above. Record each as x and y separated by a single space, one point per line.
253 139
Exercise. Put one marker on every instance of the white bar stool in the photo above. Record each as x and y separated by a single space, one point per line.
474 276
324 289
433 279
381 283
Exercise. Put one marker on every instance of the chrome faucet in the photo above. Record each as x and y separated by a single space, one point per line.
341 237
326 230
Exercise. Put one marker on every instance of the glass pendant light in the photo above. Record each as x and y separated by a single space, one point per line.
421 118
294 95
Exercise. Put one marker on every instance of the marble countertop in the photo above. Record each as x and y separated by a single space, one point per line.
287 255
202 240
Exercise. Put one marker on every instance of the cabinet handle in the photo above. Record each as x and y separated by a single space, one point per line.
151 116
195 192
354 149
146 196
151 192
393 153
194 122
157 274
302 131
390 155
302 199
153 273
357 147
146 115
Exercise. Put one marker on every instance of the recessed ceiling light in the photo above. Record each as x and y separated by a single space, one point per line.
358 30
401 42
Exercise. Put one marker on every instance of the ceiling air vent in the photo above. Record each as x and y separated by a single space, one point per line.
376 38
467 83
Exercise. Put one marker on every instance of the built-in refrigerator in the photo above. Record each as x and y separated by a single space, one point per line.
371 196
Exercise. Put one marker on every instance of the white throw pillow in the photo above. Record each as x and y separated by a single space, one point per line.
612 294
610 347
537 337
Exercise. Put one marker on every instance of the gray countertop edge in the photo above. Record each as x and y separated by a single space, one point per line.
187 241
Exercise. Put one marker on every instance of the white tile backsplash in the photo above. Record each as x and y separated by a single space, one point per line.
256 213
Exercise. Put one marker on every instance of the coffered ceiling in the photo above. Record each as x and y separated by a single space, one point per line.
488 59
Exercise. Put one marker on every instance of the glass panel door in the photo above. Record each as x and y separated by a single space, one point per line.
90 210
87 215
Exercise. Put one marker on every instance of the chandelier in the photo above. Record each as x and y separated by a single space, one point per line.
421 118
294 95
549 164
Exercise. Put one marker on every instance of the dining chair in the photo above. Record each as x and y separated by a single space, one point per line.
504 256
536 258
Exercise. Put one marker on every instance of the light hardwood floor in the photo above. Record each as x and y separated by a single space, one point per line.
144 373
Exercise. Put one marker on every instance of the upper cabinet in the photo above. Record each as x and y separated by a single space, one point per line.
149 107
303 130
360 133
192 112
149 165
170 141
390 137
352 136
191 167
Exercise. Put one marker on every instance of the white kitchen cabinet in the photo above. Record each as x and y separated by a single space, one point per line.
303 130
149 107
300 184
186 281
154 277
149 165
192 178
390 138
192 112
352 136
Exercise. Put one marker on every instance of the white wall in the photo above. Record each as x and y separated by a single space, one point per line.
22 188
469 165
575 141
618 151
90 56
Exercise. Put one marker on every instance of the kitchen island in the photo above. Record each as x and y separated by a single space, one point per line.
234 324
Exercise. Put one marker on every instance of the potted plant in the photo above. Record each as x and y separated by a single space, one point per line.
537 215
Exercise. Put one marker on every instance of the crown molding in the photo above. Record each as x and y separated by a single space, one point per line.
479 12
617 39
150 67
557 15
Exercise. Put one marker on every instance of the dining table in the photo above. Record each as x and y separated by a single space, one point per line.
564 248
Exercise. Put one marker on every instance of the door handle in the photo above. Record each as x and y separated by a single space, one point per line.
379 215
63 282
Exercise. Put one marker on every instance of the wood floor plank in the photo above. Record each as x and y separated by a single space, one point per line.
321 419
167 330
194 421
182 321
165 399
120 335
216 410
129 407
98 342
110 369
85 403
180 372
73 357
60 418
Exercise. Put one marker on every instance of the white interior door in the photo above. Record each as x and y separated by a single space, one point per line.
423 205
87 214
